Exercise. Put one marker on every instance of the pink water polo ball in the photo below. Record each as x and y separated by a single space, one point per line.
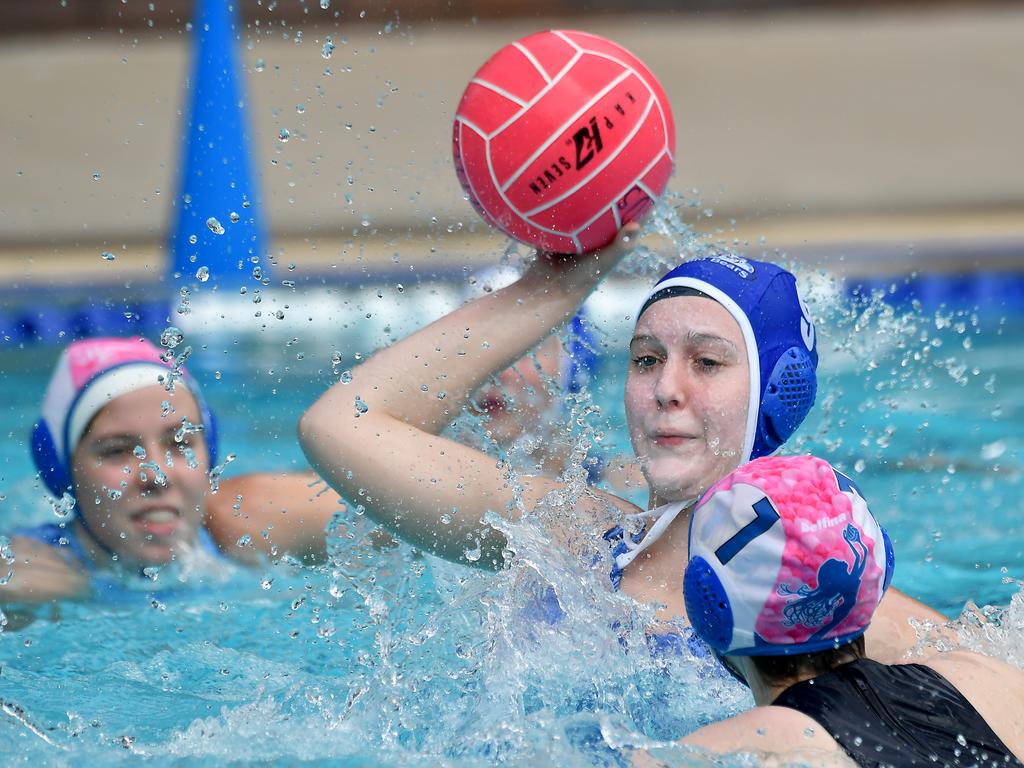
561 138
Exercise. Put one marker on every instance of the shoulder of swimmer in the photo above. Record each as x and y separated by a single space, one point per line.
995 689
279 512
777 735
41 573
892 634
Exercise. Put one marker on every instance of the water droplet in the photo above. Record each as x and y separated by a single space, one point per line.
203 274
96 175
244 541
325 4
139 451
328 49
961 740
192 239
283 135
260 65
266 582
346 377
234 217
65 505
107 256
171 337
361 407
215 226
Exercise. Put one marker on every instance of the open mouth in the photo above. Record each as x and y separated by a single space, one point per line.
162 521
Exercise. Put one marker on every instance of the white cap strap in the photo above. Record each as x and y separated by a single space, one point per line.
663 517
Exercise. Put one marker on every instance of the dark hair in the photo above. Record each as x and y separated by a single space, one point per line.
781 669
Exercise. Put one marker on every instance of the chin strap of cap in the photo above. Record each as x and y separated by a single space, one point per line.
663 517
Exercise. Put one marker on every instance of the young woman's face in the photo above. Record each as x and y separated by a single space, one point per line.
146 514
687 395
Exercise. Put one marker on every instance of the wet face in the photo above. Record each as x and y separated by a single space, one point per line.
147 509
687 394
519 398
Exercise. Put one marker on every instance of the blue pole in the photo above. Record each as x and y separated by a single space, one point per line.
218 220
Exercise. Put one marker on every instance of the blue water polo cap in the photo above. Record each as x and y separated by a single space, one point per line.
779 335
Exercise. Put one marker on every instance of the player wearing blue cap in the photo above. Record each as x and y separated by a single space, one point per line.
785 606
722 370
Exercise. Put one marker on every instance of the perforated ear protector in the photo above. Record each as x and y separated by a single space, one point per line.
707 604
788 397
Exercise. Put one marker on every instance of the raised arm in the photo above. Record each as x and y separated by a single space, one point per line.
376 439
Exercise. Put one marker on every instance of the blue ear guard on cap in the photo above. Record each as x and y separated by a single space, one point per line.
55 474
707 604
788 396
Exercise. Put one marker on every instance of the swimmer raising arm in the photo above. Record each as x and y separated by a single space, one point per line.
376 439
709 348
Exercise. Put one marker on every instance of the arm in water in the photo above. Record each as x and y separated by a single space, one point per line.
376 439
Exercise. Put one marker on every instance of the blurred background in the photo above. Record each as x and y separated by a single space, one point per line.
870 137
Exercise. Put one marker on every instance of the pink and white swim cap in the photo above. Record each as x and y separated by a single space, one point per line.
88 375
785 557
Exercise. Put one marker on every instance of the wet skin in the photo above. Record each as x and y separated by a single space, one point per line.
158 513
519 397
687 395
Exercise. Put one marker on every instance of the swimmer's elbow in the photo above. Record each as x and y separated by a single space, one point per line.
317 427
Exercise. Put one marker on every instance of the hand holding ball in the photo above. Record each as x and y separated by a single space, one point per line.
561 138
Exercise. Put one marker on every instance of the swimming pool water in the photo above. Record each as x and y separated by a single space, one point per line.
389 657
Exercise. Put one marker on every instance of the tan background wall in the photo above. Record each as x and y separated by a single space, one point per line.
856 119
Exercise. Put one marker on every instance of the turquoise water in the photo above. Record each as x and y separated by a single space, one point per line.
387 658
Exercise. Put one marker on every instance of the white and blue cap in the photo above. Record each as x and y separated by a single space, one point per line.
89 374
779 335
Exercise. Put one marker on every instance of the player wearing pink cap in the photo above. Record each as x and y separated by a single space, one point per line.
787 568
126 438
722 370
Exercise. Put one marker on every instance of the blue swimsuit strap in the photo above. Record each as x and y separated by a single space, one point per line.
659 644
616 537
